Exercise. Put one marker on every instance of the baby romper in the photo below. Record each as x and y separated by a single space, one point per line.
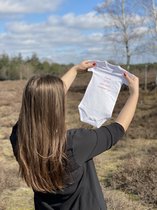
101 94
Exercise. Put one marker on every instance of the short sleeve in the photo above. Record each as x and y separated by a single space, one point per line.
88 143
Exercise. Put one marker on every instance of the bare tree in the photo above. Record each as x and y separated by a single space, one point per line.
154 7
150 8
153 27
127 26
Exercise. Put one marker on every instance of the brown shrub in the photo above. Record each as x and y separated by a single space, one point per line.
138 177
117 200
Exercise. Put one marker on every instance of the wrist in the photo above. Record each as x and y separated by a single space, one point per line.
75 68
134 94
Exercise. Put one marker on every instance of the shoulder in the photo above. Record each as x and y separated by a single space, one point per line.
13 139
81 138
80 133
13 135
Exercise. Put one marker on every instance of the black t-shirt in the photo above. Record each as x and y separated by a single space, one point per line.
85 191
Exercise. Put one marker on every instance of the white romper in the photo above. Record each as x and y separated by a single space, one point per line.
101 94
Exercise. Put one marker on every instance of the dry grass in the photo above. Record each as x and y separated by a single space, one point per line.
118 200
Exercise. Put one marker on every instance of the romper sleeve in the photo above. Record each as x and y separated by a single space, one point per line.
88 143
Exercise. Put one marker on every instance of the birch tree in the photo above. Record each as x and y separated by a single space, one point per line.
150 8
153 24
127 28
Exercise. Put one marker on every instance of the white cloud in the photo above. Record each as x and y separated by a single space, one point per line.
90 20
53 38
57 31
28 6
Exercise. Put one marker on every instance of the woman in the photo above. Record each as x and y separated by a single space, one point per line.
58 163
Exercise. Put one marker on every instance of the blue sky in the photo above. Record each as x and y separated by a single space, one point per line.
78 7
62 31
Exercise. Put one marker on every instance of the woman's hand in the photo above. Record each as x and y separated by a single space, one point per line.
125 116
133 83
70 75
84 65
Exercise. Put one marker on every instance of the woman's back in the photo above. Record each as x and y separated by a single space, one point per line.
82 189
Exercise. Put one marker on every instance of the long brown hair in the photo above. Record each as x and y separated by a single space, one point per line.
41 133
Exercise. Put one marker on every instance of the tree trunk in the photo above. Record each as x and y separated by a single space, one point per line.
127 55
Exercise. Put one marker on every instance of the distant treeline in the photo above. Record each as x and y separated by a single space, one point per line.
14 68
141 67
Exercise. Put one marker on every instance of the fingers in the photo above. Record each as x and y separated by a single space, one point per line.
87 64
130 78
133 83
91 64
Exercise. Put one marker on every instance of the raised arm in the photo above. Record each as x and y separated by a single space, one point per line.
70 75
126 115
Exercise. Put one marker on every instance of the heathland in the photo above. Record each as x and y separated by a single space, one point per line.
127 172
